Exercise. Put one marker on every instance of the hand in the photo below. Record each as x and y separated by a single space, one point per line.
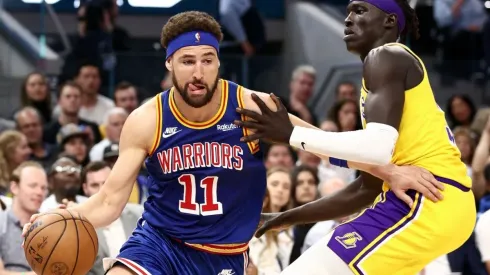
251 268
416 178
271 126
270 221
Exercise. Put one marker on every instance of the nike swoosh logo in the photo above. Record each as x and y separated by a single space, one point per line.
303 145
169 135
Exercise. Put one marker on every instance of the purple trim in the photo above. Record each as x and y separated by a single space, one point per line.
194 38
409 219
390 7
453 183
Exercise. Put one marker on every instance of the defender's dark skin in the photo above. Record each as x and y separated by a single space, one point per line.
387 71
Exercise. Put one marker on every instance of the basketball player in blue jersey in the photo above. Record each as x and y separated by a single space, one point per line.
205 186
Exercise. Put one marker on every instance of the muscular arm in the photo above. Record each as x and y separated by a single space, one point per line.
136 140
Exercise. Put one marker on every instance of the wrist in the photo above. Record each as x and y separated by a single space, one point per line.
384 172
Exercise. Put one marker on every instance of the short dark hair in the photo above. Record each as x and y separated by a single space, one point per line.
84 64
93 166
69 83
123 85
189 21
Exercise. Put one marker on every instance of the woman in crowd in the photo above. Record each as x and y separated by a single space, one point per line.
345 114
466 146
13 151
270 253
304 190
35 92
460 111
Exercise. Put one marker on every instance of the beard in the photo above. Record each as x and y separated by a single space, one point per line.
197 101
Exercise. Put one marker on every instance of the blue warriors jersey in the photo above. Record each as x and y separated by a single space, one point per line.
205 186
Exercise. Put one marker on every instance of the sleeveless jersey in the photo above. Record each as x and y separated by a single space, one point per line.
425 140
205 185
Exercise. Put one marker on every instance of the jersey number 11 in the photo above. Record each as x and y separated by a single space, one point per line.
188 204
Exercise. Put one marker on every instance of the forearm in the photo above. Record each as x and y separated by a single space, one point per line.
343 203
99 210
481 154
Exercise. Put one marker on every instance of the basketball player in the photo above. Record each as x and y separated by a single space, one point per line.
403 124
205 186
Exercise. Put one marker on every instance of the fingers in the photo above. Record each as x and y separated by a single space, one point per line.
430 178
426 191
430 190
251 138
278 102
260 103
248 124
404 197
251 114
33 218
25 229
260 232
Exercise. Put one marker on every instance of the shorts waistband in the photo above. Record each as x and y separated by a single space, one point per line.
221 249
453 183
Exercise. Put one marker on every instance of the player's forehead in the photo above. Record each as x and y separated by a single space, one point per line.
196 52
356 4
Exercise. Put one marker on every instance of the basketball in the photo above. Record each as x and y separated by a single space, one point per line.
61 242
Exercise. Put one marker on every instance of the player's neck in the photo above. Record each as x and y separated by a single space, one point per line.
380 42
202 114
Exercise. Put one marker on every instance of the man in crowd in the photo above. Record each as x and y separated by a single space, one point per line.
112 237
346 90
300 91
69 104
64 183
126 96
29 186
30 123
114 122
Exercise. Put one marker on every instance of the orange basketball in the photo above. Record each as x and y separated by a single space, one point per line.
61 242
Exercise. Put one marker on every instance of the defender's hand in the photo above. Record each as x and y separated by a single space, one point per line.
419 179
270 221
270 125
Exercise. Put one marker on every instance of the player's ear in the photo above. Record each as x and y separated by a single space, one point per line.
14 188
168 64
390 21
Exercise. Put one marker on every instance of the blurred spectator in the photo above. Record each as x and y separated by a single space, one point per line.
29 187
93 105
251 268
111 153
29 122
6 124
345 114
346 90
308 159
64 183
112 237
329 126
279 155
482 232
321 229
13 151
304 190
242 22
114 121
460 111
166 83
74 140
481 185
466 146
121 41
300 91
69 104
126 96
35 92
270 252
279 189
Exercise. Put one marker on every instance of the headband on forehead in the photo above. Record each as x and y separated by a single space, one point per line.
194 38
390 6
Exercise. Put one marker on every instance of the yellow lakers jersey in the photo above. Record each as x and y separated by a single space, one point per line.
425 140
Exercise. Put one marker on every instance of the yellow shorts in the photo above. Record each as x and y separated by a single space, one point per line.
392 238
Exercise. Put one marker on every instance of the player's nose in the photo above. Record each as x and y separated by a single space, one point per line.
348 21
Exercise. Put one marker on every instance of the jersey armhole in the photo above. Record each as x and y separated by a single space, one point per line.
158 129
253 146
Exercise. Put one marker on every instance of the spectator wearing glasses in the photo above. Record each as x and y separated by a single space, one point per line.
64 183
29 186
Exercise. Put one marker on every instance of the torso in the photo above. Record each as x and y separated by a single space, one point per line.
425 140
205 186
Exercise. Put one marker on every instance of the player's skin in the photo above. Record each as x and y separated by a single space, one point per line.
388 72
188 65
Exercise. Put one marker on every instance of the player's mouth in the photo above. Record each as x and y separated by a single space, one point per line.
197 89
348 33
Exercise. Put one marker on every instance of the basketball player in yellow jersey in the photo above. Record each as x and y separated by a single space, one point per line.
403 125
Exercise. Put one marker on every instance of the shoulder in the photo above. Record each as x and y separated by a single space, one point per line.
392 56
143 121
106 101
250 103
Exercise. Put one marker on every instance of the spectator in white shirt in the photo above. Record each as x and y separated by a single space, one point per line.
112 237
113 123
94 105
482 232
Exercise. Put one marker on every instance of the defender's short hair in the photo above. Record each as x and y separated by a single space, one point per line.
190 21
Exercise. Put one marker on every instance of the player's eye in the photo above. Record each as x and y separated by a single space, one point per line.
207 61
188 62
359 11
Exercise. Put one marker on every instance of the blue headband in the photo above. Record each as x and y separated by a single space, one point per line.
194 38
